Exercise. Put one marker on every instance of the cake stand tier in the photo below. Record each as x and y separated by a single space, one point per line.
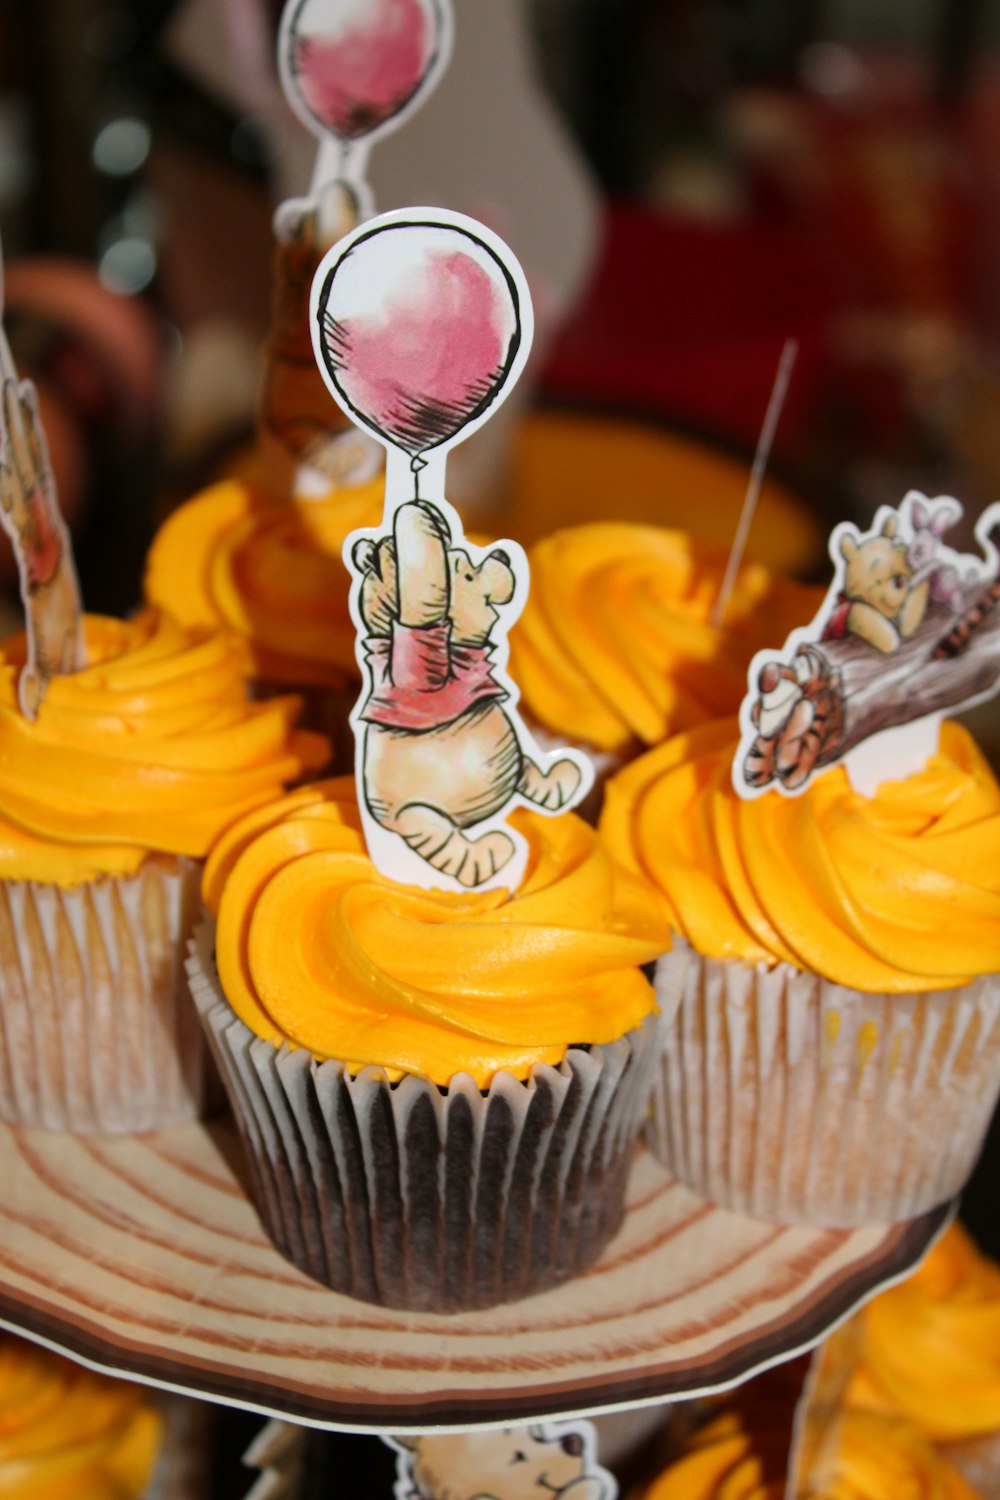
143 1256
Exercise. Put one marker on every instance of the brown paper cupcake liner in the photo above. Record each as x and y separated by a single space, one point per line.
183 1469
97 1031
417 1197
793 1099
977 1459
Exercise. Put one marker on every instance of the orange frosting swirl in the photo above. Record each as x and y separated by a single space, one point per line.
68 1434
930 1347
269 571
151 748
870 1457
898 892
875 1457
317 949
615 644
726 1460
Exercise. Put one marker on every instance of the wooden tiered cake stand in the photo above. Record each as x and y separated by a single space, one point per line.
142 1256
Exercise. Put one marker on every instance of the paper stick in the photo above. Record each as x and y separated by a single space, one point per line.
30 515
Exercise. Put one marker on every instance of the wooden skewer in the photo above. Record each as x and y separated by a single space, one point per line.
778 392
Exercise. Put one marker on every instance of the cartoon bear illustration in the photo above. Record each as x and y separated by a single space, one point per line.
441 754
880 600
512 1463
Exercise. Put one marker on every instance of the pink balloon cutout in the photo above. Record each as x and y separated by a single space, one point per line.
356 79
426 358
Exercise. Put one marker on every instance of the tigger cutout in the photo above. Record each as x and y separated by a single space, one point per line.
798 714
958 638
908 629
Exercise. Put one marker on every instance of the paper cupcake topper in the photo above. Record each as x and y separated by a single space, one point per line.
546 1461
29 510
352 70
355 69
909 628
421 324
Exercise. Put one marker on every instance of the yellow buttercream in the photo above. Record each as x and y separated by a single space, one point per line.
897 892
870 1456
269 571
151 748
930 1347
316 948
726 1460
68 1434
616 645
865 1456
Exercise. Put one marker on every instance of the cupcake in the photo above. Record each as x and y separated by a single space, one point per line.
929 1350
616 649
108 803
439 1093
271 573
834 1057
68 1434
867 1456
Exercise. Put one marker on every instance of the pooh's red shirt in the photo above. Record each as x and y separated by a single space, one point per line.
835 628
420 680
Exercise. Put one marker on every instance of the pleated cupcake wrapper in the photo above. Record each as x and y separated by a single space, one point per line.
281 1453
796 1100
183 1469
415 1197
977 1459
97 1031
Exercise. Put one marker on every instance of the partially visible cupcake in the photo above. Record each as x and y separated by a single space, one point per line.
439 1094
868 1457
835 1057
616 649
271 572
929 1350
68 1434
108 803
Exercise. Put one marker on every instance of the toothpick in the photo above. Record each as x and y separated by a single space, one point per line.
760 458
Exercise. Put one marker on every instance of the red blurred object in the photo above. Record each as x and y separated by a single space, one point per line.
689 321
862 240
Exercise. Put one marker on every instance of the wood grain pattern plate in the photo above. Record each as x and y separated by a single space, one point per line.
143 1256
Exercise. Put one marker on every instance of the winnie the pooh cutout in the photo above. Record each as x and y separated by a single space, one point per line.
547 1461
908 629
421 324
29 511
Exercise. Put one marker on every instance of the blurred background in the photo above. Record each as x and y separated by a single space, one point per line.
688 184
718 175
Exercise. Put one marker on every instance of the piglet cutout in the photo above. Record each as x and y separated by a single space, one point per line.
29 512
421 323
